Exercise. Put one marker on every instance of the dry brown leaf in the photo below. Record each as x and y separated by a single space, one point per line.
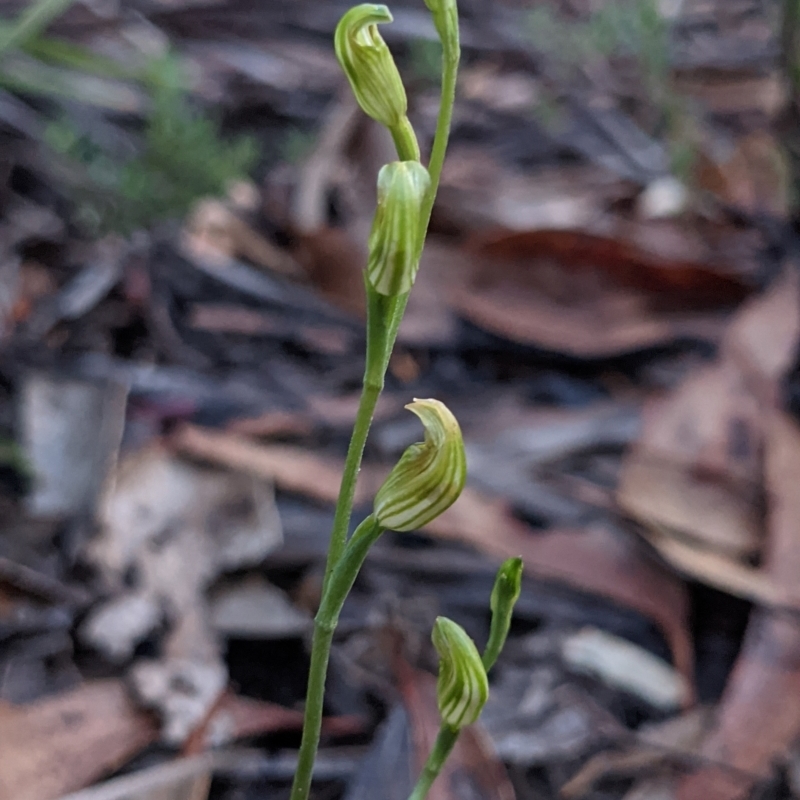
595 295
225 318
216 233
754 177
334 262
233 717
759 716
180 779
293 469
66 742
697 465
273 424
726 94
660 744
720 571
479 191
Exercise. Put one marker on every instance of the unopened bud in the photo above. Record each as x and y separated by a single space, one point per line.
369 65
445 19
429 476
394 238
462 687
505 593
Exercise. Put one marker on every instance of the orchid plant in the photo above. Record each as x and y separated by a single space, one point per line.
430 475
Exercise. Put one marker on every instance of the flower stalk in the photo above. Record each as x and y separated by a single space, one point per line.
462 687
406 191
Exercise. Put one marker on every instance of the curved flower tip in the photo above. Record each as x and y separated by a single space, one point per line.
369 65
462 687
429 476
392 263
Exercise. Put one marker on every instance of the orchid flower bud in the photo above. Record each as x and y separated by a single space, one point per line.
445 19
394 238
505 593
429 476
369 65
462 687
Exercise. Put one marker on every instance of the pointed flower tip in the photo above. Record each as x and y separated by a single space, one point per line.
445 18
507 586
429 476
392 263
462 687
368 64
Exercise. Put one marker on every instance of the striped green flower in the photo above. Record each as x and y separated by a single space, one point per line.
392 264
462 687
429 476
369 65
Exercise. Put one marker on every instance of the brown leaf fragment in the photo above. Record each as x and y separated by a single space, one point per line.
754 176
720 571
673 740
711 505
180 779
231 319
66 742
233 717
334 262
697 466
593 295
214 231
759 715
293 469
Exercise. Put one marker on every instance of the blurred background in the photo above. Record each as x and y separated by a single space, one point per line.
609 302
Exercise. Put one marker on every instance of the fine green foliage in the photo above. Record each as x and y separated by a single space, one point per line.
632 28
182 158
179 153
31 22
621 31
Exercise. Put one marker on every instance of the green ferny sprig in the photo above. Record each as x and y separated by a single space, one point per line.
430 475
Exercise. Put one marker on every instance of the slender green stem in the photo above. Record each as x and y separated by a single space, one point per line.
442 747
451 55
339 586
323 631
344 559
312 722
405 141
346 571
344 507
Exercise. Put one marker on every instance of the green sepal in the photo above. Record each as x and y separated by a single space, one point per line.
429 476
393 241
368 64
462 687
